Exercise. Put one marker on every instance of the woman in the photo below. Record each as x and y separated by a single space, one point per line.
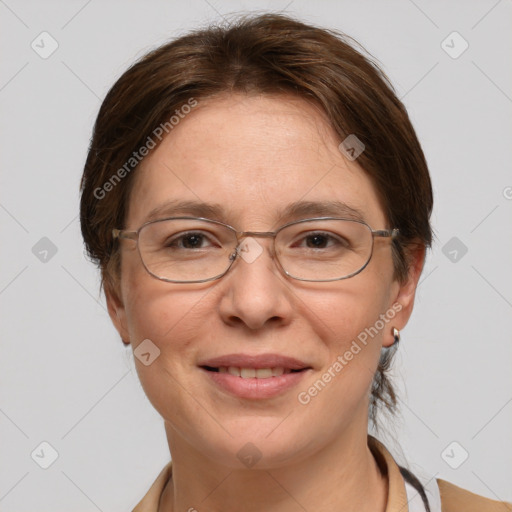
259 204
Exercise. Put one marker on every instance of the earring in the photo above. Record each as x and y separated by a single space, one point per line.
396 335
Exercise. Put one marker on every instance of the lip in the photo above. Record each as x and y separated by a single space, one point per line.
256 361
253 388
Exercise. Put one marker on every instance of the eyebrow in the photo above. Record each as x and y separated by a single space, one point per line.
213 211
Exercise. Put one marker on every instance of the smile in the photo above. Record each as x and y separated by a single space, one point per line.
252 373
254 383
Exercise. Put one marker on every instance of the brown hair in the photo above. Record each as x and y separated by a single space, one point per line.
264 54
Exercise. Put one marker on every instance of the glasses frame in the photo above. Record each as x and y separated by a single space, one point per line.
240 235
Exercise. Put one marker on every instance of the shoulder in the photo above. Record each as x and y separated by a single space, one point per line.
456 499
151 499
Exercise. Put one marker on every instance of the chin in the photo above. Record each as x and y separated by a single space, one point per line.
256 443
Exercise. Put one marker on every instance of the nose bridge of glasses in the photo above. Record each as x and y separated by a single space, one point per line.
262 234
242 236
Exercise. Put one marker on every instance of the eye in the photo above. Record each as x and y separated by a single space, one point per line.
321 240
189 240
317 241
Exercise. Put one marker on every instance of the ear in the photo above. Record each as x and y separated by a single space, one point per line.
403 294
116 309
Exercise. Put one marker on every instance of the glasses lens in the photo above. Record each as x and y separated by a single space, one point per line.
324 250
185 250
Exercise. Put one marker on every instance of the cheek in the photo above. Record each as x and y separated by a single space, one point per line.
163 313
351 320
345 312
154 308
172 319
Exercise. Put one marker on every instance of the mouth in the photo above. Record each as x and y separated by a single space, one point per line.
253 373
254 377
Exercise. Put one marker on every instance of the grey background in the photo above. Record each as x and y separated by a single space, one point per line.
66 378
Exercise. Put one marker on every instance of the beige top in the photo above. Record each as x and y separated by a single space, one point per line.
453 498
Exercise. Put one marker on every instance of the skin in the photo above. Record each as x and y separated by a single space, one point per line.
252 155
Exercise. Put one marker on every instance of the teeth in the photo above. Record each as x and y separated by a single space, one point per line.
232 370
247 373
278 371
263 373
251 373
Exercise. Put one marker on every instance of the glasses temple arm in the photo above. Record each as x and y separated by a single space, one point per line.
386 232
120 233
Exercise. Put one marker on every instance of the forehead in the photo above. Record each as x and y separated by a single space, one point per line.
252 157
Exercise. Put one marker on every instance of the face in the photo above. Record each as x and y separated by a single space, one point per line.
252 157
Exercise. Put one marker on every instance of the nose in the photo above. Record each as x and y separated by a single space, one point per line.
256 294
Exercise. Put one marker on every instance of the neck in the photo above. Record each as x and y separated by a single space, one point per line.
343 477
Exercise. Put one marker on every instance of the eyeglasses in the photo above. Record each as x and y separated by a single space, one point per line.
197 250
